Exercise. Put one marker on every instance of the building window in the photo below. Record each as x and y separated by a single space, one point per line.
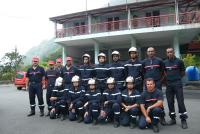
109 24
116 23
153 18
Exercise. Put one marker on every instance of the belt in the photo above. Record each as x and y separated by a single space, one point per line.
34 82
119 81
138 78
86 79
172 81
101 79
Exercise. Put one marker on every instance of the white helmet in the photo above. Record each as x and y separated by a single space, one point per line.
91 82
102 55
86 55
132 49
75 78
110 80
59 81
130 79
115 53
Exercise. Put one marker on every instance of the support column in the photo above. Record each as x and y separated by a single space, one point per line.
176 46
129 18
89 24
133 42
63 55
96 52
176 12
55 30
109 56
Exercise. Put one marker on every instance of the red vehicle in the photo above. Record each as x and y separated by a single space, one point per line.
20 80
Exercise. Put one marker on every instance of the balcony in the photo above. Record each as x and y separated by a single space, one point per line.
135 23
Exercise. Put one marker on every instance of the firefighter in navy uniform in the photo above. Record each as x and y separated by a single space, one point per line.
92 103
134 68
110 105
101 72
58 100
68 71
175 70
130 104
59 66
86 70
151 106
35 83
153 67
51 75
117 70
75 100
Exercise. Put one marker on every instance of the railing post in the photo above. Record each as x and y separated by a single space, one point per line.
176 12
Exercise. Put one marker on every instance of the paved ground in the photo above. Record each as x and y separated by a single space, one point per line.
14 106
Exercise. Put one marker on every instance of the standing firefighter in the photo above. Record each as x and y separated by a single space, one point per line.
68 71
36 83
175 70
76 100
51 75
130 104
117 70
153 67
86 70
92 103
151 106
58 100
101 72
59 66
111 102
134 68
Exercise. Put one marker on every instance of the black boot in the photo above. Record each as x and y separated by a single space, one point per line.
48 113
133 123
172 122
95 122
63 117
184 124
155 128
163 121
116 123
80 119
41 113
31 113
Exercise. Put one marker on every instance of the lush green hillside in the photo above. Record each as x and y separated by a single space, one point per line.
45 50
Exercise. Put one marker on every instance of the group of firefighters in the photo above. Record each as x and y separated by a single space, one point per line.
127 93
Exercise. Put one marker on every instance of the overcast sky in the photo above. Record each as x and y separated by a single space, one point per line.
25 23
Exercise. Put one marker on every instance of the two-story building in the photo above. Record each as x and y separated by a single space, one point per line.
139 23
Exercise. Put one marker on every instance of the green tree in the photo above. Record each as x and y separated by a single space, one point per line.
11 63
191 60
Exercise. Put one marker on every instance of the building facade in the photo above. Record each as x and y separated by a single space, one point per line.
139 23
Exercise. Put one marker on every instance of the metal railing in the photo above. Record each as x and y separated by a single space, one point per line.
135 23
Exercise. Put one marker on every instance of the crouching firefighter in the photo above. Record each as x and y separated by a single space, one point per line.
130 104
58 100
111 101
92 103
76 100
151 105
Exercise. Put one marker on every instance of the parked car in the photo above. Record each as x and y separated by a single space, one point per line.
20 80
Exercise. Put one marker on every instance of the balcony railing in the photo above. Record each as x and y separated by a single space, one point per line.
135 23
